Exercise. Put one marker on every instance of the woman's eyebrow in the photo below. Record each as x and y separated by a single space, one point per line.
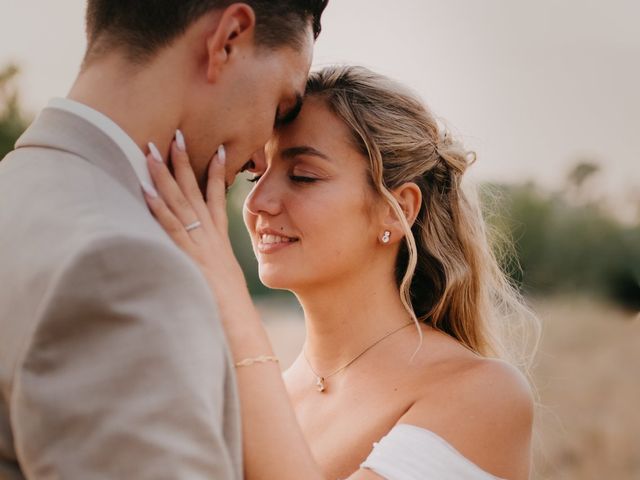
292 152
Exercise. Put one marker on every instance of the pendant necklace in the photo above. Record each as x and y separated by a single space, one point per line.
321 379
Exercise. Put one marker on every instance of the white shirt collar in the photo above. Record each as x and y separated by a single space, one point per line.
133 153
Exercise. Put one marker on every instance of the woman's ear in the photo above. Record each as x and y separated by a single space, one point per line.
235 31
409 197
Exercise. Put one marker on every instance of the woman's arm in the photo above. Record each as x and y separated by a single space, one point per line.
273 442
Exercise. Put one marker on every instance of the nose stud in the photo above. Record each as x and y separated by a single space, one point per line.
386 237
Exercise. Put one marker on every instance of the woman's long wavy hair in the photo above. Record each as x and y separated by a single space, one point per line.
447 272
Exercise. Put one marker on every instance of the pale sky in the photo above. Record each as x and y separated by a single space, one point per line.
529 85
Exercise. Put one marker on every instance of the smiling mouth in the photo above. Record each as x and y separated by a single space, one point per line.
269 243
268 239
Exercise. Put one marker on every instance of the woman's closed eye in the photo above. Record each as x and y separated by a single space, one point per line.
294 178
302 179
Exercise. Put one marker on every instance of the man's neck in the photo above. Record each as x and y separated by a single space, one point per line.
139 100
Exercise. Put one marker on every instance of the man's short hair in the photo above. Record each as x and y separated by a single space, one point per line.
142 27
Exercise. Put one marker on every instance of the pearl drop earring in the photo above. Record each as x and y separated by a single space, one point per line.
386 237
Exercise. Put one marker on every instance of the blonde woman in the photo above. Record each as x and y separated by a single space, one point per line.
360 213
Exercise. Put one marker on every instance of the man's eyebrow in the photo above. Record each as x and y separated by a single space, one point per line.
292 152
289 116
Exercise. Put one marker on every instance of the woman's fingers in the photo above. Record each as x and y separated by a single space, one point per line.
216 189
185 177
168 221
175 208
171 195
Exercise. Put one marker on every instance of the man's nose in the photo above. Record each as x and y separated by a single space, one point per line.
258 162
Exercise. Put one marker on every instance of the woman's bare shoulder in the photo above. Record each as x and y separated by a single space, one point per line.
483 407
446 365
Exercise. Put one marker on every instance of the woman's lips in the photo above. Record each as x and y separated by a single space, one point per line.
268 243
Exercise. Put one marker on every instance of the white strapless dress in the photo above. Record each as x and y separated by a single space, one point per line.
408 452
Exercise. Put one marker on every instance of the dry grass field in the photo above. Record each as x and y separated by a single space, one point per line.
588 379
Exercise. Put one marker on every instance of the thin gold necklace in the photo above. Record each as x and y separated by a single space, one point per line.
321 379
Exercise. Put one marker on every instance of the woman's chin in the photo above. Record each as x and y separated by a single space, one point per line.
277 280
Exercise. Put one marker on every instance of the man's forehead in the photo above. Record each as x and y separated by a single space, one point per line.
298 77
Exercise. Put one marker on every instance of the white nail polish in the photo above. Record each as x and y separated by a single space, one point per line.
180 143
155 153
149 189
222 155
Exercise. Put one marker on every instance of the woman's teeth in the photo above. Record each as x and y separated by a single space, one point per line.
271 239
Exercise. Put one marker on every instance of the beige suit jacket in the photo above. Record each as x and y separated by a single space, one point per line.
113 363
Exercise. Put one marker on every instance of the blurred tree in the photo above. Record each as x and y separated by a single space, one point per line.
581 172
12 120
580 176
561 246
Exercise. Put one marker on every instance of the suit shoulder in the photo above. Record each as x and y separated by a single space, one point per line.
133 288
118 256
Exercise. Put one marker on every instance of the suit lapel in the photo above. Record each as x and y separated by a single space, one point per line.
64 131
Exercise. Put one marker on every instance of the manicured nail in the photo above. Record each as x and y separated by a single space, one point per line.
155 153
222 155
182 146
149 189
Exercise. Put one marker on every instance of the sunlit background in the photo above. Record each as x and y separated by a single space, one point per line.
547 93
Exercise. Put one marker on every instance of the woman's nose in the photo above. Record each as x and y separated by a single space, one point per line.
264 198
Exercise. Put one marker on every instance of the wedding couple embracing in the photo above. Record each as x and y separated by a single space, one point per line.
129 345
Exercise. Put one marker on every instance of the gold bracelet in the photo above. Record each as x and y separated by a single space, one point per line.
261 359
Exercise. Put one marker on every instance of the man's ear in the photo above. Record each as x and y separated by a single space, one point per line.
409 198
235 31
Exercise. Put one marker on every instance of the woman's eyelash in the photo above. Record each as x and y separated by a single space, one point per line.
295 178
301 179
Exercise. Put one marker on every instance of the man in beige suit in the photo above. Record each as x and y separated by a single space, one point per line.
112 360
